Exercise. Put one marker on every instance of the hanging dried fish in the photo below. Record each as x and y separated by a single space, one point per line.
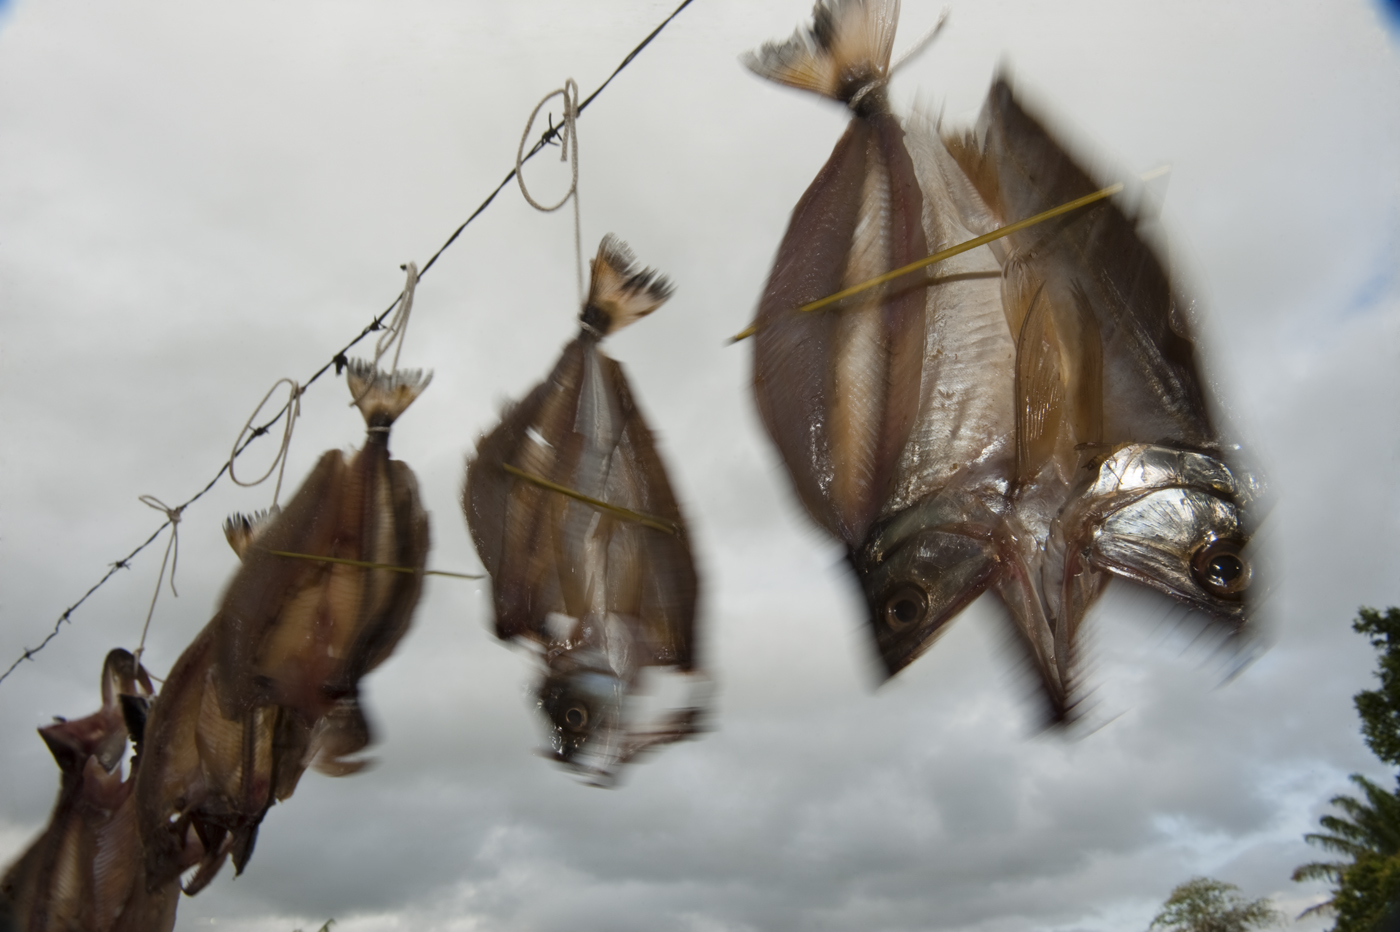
271 685
893 410
84 871
1120 468
573 516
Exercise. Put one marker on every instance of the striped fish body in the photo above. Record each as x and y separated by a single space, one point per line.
271 686
893 410
602 588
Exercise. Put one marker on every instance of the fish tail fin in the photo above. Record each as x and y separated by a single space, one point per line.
842 54
242 531
383 396
619 291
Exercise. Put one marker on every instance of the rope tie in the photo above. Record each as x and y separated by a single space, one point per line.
279 462
398 324
567 133
172 516
394 329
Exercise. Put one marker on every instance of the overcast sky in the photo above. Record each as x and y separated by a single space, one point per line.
197 199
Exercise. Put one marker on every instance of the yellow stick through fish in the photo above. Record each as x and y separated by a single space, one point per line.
960 248
372 566
636 517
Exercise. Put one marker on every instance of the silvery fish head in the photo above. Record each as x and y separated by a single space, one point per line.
581 698
1173 520
921 568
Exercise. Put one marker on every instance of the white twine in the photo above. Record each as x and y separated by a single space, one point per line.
923 43
398 324
173 546
395 329
568 149
280 461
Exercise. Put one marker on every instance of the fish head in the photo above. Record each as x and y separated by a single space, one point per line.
581 699
922 567
1173 520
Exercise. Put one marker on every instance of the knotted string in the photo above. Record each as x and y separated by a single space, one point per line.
567 133
172 547
280 461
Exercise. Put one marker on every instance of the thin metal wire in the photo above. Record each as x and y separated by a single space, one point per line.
338 361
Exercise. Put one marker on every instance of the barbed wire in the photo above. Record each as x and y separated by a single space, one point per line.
339 361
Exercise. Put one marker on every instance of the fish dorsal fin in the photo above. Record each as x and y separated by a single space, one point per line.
842 55
1039 388
619 291
383 396
242 530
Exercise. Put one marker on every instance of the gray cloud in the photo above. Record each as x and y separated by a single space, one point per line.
200 200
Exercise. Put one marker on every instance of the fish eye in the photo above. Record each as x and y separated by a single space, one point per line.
905 606
1221 569
575 717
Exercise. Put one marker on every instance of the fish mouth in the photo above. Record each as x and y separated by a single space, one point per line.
919 585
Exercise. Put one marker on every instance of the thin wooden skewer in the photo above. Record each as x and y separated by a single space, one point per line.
372 566
636 517
960 248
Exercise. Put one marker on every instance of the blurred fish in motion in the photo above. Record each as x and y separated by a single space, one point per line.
894 410
85 870
1120 467
271 685
1025 415
573 516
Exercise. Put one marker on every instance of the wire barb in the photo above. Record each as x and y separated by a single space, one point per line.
339 361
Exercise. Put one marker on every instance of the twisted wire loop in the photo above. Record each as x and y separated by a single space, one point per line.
279 462
567 134
172 517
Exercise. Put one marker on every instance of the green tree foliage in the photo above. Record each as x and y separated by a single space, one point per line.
1366 881
1205 905
1380 708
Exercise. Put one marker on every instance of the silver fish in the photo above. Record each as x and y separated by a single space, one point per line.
85 870
573 516
1120 467
894 412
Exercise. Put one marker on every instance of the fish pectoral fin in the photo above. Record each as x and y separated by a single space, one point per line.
1039 389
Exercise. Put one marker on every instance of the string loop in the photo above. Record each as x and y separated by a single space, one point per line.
279 462
567 133
172 515
398 324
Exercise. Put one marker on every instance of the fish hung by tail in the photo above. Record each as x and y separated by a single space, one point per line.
844 54
383 396
620 292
